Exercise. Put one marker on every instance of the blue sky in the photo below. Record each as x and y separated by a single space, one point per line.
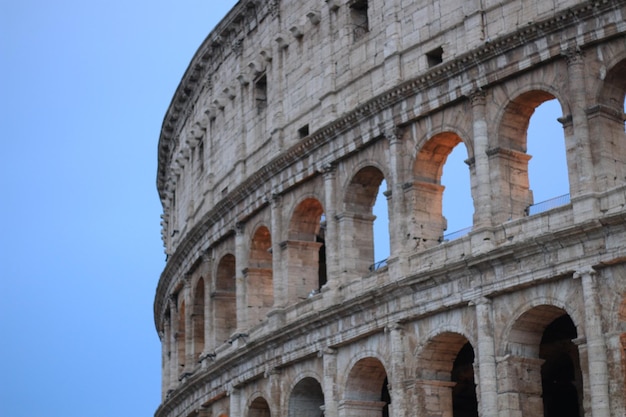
84 87
84 90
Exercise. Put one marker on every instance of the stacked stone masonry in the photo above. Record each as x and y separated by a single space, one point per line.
283 128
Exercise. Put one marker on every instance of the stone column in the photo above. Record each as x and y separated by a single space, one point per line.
189 362
332 236
487 380
482 194
241 261
235 402
578 100
275 401
393 44
328 96
165 358
398 371
596 345
397 218
329 379
173 349
279 275
208 328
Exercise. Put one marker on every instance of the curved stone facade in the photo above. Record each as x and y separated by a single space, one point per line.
288 119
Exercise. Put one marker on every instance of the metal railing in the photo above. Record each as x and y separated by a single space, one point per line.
547 205
455 235
376 266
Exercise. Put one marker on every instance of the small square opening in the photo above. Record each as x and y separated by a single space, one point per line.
303 132
435 57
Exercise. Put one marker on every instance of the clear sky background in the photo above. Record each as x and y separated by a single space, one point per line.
84 88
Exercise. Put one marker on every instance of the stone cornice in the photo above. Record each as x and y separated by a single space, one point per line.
431 79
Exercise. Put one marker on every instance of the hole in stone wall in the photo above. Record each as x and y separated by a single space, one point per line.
434 57
303 132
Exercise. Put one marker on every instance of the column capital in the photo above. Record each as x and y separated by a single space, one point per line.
393 134
588 270
478 97
573 55
481 301
326 351
327 169
275 200
239 228
395 327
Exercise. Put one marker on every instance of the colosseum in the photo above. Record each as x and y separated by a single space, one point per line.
290 117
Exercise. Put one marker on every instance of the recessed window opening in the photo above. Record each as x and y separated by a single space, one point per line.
458 206
434 57
303 132
381 227
260 93
360 21
547 169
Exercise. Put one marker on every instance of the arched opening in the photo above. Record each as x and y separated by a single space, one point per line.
606 129
259 408
306 399
457 203
382 240
427 221
547 168
197 319
306 250
356 222
367 390
224 301
542 365
180 338
509 161
258 275
561 378
446 376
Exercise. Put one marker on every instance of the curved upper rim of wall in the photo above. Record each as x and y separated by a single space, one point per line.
190 85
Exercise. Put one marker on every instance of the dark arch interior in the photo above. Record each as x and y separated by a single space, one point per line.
464 401
561 378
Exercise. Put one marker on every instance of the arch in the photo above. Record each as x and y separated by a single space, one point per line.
197 319
224 303
306 250
259 408
306 398
259 276
508 160
357 221
542 364
427 222
446 376
606 127
367 389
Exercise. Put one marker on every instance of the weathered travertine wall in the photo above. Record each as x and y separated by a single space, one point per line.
288 119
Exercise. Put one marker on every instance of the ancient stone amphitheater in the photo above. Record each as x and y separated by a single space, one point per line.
290 116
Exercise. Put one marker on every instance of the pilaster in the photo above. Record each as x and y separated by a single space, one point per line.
487 381
596 345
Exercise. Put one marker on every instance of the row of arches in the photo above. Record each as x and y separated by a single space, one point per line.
543 369
220 307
